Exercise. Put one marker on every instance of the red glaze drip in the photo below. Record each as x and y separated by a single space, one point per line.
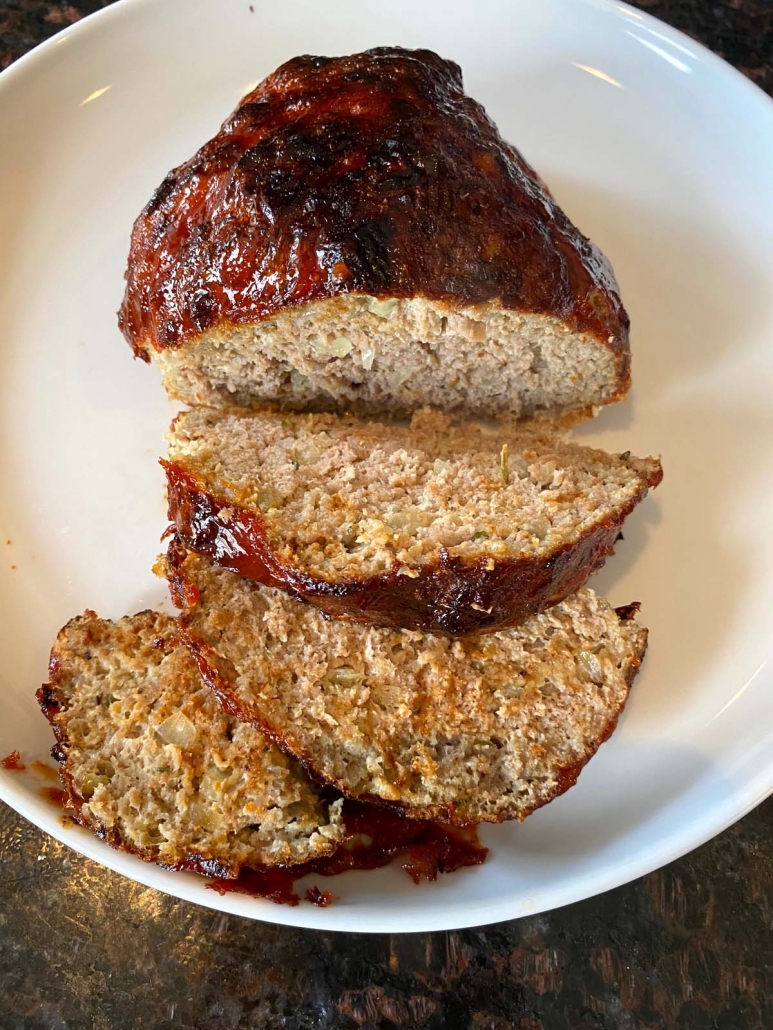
13 761
48 772
318 897
374 836
55 795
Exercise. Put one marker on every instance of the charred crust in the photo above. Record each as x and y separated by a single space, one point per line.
194 863
48 699
51 704
626 612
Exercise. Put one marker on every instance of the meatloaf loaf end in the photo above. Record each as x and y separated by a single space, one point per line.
359 236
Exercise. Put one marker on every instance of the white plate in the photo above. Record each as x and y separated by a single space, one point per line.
659 151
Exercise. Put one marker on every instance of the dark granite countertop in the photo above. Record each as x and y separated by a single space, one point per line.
688 947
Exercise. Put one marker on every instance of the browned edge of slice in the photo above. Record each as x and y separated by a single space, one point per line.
449 595
214 671
569 775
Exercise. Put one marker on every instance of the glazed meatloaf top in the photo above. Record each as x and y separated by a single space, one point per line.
369 174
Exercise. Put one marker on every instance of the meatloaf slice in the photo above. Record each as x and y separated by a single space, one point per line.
476 730
358 235
445 527
152 763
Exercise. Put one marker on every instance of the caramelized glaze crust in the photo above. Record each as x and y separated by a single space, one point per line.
370 174
449 596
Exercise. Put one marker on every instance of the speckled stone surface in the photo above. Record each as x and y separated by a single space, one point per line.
689 947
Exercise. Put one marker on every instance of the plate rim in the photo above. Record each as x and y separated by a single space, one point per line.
465 915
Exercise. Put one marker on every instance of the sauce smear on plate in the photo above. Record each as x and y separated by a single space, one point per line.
374 836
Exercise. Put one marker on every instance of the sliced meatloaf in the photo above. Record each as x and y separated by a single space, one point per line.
441 526
152 764
482 729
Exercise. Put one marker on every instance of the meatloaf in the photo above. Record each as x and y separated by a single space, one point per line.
152 763
476 730
442 526
358 235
